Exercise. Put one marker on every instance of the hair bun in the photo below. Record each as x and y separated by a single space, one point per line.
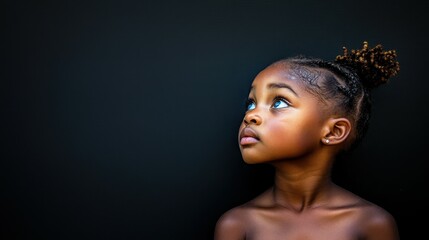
373 65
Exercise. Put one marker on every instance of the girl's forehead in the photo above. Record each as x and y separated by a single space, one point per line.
276 74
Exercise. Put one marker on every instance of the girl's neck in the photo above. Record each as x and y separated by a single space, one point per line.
301 190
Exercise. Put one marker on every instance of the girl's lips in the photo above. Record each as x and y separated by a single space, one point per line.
248 136
248 140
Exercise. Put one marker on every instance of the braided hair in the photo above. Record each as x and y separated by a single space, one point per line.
346 82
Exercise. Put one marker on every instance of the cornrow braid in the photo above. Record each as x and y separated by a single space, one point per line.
346 82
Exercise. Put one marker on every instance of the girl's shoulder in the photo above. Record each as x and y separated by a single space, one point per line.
233 223
366 210
377 221
236 217
373 220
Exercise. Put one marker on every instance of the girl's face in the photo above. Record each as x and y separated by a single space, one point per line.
282 120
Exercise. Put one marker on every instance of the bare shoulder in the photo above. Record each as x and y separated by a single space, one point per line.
373 221
231 224
234 223
378 223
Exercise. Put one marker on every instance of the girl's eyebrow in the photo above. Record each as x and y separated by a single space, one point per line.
282 85
276 86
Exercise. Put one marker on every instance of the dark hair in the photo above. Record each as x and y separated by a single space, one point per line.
347 81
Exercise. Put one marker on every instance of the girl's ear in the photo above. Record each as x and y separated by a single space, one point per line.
336 131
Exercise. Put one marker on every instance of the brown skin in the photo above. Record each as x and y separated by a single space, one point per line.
287 127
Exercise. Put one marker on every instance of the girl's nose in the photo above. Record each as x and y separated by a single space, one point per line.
252 118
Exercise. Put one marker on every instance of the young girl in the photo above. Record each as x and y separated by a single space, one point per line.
300 114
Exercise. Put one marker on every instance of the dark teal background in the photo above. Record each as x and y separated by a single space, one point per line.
120 118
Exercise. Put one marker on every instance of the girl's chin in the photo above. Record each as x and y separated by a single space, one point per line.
249 160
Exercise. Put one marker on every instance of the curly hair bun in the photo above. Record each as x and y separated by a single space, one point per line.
373 65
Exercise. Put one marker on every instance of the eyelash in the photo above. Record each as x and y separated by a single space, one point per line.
282 99
276 98
248 102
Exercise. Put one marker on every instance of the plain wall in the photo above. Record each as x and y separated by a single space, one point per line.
120 118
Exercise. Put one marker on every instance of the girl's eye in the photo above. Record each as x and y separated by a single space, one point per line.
280 103
250 105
